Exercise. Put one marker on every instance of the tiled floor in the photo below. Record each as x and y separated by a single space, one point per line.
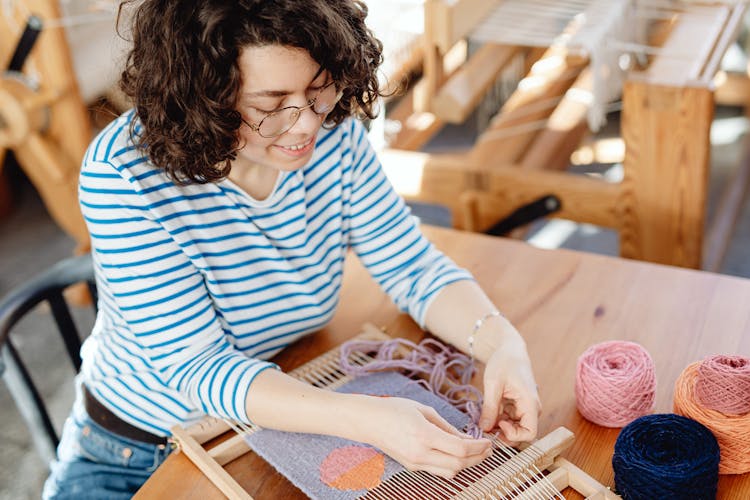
29 241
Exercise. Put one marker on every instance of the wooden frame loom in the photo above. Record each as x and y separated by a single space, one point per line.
667 108
501 474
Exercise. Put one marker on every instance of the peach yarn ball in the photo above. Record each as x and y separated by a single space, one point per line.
615 383
732 430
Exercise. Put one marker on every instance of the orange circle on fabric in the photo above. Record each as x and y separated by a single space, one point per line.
353 468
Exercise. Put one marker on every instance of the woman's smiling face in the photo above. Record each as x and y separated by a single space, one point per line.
275 77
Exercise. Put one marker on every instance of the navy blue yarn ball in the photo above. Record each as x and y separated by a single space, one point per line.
666 456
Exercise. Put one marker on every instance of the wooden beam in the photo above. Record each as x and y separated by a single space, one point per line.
499 190
6 43
22 111
437 66
732 89
566 127
228 450
582 482
526 111
210 468
583 199
697 40
55 176
418 125
727 34
447 21
666 132
417 128
461 93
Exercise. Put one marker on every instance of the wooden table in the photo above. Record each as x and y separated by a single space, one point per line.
562 302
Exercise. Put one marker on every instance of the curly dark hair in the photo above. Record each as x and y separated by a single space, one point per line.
184 79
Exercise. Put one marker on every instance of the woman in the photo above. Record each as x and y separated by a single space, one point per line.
221 209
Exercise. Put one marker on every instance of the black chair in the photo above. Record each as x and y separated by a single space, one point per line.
47 287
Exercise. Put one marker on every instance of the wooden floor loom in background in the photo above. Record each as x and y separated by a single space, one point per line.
667 108
535 472
43 118
659 206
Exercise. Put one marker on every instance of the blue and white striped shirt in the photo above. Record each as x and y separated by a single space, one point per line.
200 284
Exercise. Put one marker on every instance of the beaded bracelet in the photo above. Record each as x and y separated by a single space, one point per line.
476 328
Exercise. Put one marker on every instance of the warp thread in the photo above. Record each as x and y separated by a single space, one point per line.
732 430
666 456
615 383
437 367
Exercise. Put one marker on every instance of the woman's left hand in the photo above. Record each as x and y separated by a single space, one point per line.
511 400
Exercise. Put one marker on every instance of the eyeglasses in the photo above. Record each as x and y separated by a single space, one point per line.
280 121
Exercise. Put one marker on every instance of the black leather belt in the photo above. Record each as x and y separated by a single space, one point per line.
108 420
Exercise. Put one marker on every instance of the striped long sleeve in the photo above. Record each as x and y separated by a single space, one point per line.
404 263
161 325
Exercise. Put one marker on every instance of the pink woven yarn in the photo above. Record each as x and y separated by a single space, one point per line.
723 384
615 383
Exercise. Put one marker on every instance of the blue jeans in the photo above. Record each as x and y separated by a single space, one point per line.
93 463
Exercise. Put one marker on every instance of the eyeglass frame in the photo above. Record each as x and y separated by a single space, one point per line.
300 109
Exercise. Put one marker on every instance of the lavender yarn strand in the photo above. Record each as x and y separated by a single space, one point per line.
441 370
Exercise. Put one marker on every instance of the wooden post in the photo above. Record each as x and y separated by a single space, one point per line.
664 190
432 77
445 23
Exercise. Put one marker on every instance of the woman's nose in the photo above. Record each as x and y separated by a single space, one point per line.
307 123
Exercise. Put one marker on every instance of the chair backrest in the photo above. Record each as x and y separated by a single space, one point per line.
47 287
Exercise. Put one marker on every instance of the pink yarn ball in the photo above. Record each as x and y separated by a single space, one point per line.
723 384
615 383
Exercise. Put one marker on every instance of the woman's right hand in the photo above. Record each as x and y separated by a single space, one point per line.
412 433
416 436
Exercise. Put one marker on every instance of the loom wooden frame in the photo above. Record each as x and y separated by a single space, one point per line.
658 208
196 441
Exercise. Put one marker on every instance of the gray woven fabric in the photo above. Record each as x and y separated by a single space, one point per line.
299 456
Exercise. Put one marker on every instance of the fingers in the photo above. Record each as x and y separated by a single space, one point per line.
525 424
447 439
434 417
461 447
515 432
516 417
491 405
444 450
